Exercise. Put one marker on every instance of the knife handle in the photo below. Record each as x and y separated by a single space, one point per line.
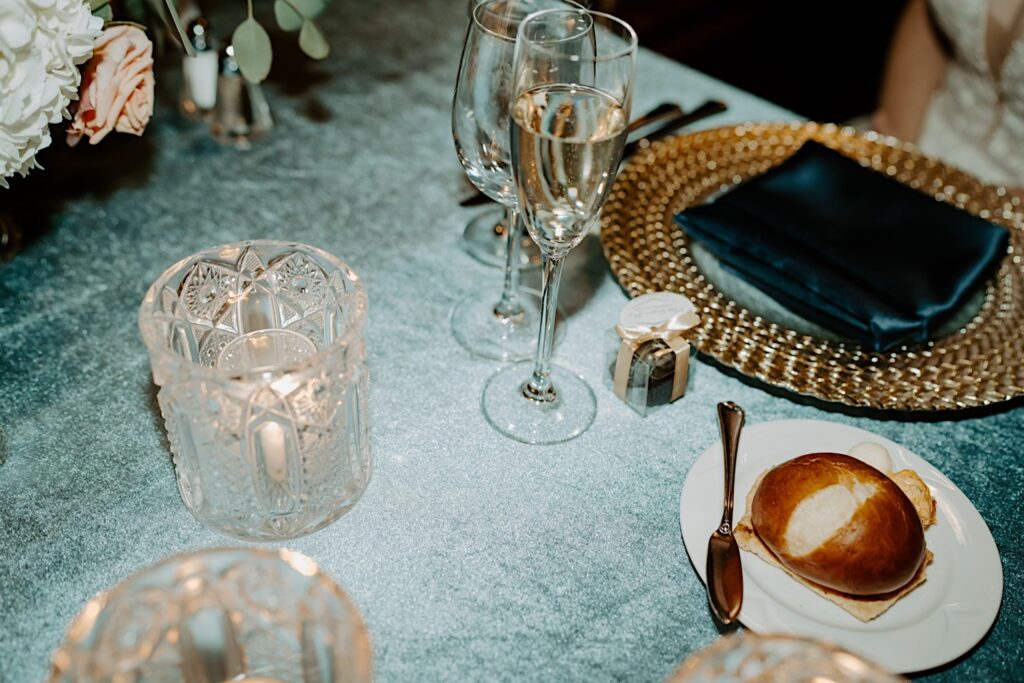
705 110
730 422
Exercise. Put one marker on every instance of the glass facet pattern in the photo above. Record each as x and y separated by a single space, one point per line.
750 658
219 615
258 352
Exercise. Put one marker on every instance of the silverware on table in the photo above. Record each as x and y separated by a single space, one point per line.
724 572
666 111
709 108
667 114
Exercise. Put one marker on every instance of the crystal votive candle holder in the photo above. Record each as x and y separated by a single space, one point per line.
257 349
267 616
750 658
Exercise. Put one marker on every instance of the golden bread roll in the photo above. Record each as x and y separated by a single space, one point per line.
838 522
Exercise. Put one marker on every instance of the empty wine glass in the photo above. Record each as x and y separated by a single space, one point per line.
480 126
485 236
573 74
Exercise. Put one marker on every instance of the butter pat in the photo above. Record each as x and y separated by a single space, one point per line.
874 454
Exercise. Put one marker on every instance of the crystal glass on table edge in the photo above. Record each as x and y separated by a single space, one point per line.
748 658
229 614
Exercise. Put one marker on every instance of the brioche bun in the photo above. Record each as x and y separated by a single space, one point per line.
838 522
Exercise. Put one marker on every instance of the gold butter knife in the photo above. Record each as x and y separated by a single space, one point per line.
724 572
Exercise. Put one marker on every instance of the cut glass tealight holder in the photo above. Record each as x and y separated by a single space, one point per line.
258 616
752 658
258 352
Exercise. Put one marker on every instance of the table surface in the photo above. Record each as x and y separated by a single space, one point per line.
470 556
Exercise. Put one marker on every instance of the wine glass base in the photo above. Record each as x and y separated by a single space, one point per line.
485 335
510 412
484 239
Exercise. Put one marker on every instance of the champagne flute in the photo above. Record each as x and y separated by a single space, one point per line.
480 126
574 72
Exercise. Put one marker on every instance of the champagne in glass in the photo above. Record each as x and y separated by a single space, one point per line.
574 72
566 144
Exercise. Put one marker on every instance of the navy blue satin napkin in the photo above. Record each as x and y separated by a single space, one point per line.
848 248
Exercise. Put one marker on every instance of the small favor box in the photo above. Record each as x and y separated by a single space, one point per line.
652 367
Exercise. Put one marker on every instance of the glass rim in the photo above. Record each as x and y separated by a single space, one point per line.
729 641
84 620
630 49
494 34
158 347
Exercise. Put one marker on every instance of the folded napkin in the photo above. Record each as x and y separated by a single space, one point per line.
849 248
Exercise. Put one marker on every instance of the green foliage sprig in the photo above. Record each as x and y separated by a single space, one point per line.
253 50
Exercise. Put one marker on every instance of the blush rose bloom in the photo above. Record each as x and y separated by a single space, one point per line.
117 86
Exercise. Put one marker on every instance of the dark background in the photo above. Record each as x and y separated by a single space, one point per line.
820 59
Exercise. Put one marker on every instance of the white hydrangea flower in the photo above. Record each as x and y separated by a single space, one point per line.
42 42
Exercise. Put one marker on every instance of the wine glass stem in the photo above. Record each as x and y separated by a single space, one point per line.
539 387
509 306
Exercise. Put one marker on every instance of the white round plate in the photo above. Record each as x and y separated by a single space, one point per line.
936 623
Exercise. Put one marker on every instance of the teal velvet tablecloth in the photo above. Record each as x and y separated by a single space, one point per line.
470 556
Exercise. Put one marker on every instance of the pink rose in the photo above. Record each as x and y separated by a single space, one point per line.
117 86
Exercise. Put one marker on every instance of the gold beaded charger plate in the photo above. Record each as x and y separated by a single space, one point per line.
978 363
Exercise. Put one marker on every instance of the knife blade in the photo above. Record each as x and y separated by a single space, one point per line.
724 571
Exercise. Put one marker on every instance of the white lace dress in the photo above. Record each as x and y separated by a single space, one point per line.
975 120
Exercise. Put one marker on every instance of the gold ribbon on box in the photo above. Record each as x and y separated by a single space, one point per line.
664 316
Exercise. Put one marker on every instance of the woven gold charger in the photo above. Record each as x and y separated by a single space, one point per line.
980 364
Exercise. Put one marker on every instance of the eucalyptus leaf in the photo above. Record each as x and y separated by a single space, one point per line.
104 13
312 41
287 18
252 50
97 4
310 9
